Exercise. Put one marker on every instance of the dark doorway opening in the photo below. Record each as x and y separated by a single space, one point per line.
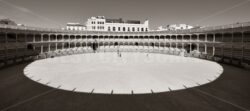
187 47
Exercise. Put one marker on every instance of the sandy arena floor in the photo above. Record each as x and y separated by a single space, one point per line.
128 73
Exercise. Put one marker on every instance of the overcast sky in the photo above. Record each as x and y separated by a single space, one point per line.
56 13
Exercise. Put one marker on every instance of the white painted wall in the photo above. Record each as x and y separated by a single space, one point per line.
99 24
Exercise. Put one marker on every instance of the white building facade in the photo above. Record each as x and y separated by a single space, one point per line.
175 27
75 27
100 23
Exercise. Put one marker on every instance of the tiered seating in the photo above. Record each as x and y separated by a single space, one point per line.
195 53
141 49
112 48
150 49
161 49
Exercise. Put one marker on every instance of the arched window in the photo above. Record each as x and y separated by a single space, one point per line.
113 28
124 29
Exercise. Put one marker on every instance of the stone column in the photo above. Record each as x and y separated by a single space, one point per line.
243 46
170 42
41 49
75 40
56 46
190 47
49 48
232 48
213 44
34 38
41 37
198 47
49 37
222 45
16 47
62 45
205 37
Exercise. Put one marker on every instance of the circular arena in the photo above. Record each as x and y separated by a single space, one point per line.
123 73
193 70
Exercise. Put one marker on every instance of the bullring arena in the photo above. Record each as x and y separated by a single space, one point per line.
202 69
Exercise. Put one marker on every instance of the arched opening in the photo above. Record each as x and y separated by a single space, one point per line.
66 45
190 47
116 44
136 43
30 47
152 44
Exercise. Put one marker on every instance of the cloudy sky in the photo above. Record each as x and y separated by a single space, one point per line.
56 13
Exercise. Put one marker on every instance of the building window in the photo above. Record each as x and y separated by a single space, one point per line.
124 29
138 29
113 28
146 29
128 29
119 28
142 29
133 29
